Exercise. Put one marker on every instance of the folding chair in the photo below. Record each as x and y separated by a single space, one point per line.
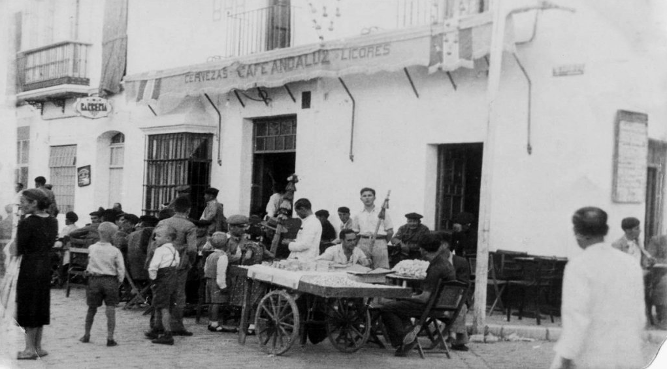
540 277
444 306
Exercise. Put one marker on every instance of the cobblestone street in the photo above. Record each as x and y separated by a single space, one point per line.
212 350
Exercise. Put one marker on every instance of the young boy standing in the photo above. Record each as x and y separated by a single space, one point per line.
215 271
106 272
162 271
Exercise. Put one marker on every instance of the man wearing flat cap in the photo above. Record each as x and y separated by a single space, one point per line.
408 237
630 242
213 212
240 250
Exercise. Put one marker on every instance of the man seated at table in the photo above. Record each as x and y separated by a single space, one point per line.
408 236
347 252
396 315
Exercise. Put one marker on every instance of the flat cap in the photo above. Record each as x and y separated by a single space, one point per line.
254 220
237 220
182 188
149 220
212 191
94 213
343 210
322 212
413 216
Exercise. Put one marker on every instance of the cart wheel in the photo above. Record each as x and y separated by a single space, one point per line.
348 324
277 322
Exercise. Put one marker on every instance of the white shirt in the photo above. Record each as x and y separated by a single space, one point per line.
365 222
164 256
336 254
603 310
273 204
307 245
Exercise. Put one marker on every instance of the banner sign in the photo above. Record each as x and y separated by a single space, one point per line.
630 159
388 51
92 107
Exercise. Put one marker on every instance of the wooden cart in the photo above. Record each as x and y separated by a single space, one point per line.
299 304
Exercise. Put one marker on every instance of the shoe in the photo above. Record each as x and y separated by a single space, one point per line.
182 333
84 339
164 339
152 334
111 343
23 355
42 353
459 347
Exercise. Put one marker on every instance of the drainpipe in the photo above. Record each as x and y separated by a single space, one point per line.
220 126
352 122
526 75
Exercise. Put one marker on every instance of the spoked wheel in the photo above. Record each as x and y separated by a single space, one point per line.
348 324
277 322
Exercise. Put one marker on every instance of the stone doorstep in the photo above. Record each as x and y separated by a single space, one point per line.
552 334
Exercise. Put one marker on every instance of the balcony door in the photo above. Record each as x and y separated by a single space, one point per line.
278 25
116 158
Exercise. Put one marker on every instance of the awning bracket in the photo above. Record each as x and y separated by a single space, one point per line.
452 81
152 111
411 81
290 93
263 95
220 126
526 75
236 93
352 121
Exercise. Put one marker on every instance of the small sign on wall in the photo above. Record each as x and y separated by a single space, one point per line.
568 70
92 107
83 176
630 161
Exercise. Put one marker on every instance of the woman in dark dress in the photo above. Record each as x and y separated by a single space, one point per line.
35 236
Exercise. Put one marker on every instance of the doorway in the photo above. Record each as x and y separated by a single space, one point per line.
274 154
458 182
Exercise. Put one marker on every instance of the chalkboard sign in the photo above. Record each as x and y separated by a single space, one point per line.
630 161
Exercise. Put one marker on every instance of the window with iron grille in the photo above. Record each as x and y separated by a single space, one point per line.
63 177
22 154
174 160
275 135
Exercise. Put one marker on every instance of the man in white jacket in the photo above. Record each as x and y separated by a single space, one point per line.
602 309
307 245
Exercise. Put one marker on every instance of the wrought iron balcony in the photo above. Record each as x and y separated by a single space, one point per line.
63 63
260 30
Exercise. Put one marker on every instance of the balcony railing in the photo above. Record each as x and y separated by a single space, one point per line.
259 30
411 13
57 64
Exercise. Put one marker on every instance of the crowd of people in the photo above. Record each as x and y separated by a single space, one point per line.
177 256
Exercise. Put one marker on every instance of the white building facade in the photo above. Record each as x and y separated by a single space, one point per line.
383 95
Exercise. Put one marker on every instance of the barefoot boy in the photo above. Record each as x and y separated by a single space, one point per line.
162 271
106 271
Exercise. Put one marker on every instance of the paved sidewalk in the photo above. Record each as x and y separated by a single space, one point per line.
213 350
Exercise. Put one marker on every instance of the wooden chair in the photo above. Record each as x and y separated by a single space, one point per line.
444 306
540 277
504 270
78 265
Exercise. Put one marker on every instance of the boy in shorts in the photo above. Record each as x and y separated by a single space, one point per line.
162 271
106 271
215 271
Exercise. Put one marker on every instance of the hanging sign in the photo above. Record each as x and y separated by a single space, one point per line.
92 107
83 176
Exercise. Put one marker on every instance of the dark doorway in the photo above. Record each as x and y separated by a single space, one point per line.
273 159
458 182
